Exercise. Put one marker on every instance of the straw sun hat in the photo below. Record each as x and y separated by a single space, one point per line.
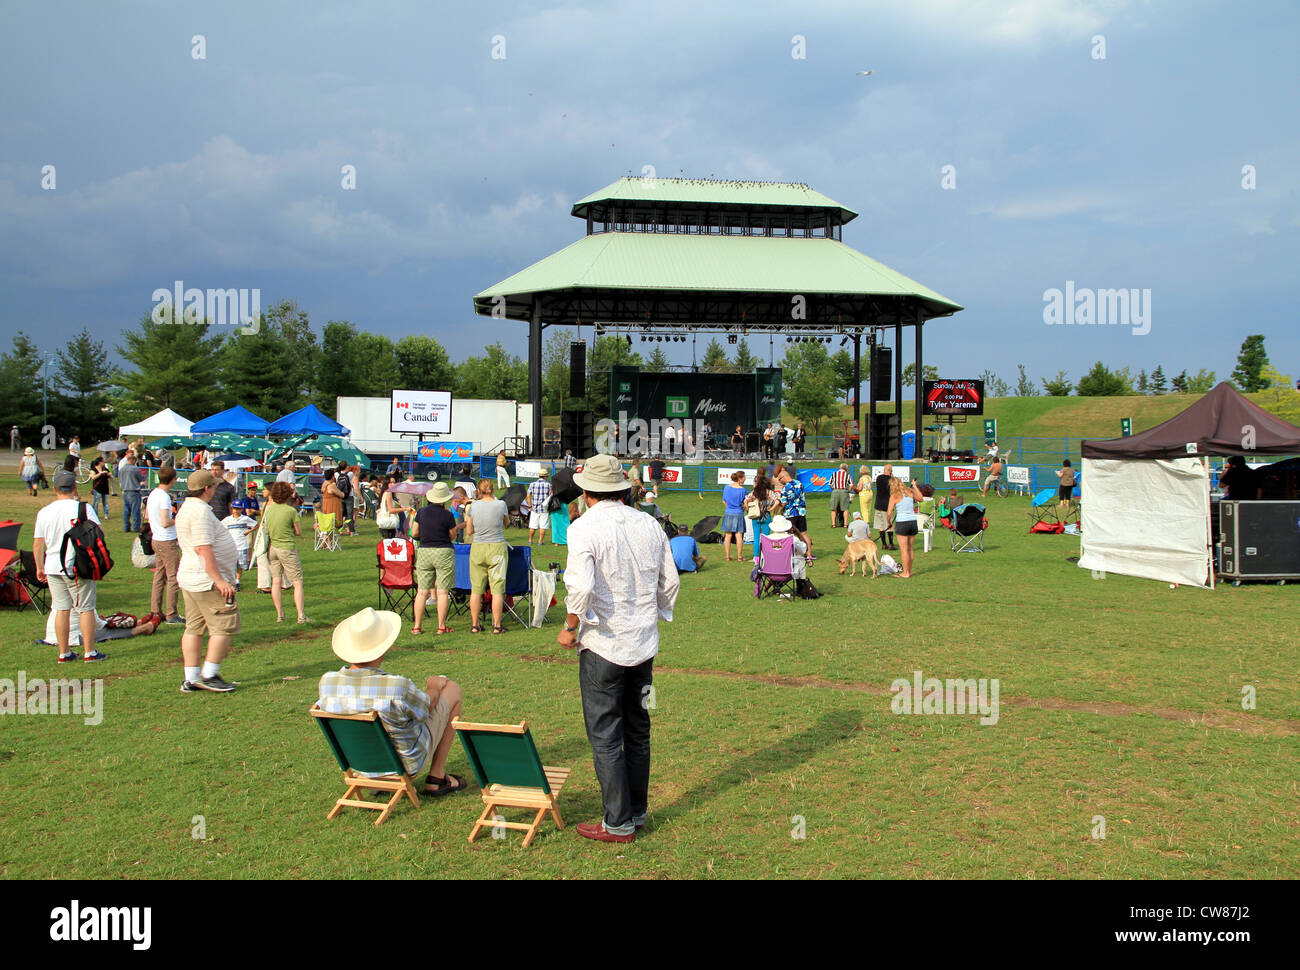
366 636
440 494
601 473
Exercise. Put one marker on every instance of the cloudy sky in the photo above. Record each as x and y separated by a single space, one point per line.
1117 172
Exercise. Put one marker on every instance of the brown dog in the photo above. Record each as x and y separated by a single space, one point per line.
864 551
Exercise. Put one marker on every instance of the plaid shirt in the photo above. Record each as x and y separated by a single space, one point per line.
570 462
539 493
840 480
402 707
792 498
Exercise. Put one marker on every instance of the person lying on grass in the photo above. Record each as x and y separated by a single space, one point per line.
418 721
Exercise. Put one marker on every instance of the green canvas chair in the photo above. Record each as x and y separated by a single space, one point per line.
511 775
361 744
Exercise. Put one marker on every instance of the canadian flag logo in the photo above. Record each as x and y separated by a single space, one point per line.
403 404
395 551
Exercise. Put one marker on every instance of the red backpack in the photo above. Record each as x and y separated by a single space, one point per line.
91 559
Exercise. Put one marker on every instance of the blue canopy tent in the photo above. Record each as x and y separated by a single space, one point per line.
307 421
238 420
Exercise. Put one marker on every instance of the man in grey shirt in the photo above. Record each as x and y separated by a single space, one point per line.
488 555
128 480
858 529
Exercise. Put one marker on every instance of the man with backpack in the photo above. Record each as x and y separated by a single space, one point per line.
71 555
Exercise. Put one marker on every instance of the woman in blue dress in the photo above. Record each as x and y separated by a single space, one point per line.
733 516
560 525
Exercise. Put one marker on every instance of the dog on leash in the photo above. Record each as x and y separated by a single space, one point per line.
864 551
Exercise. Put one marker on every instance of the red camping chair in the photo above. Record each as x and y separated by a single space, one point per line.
774 572
396 560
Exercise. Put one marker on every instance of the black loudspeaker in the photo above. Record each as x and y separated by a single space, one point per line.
578 369
578 433
753 443
882 373
1261 540
550 449
886 442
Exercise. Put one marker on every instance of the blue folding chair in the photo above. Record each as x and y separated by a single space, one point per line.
1042 507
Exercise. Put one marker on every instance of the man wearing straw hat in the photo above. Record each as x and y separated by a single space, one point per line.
435 557
417 721
617 557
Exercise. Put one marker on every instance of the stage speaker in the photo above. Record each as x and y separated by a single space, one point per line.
753 443
578 369
578 433
550 449
885 443
882 373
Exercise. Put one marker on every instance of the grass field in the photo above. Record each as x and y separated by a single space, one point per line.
1119 698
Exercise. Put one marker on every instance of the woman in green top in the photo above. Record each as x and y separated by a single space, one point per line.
281 527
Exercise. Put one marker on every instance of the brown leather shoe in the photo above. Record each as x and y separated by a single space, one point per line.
596 830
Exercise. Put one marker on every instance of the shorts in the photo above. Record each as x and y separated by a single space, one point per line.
77 595
437 723
881 521
1066 492
487 567
840 501
243 559
539 520
435 566
284 561
992 480
907 528
800 522
209 613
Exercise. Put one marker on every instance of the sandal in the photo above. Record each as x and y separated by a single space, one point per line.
416 631
476 629
444 629
437 787
498 629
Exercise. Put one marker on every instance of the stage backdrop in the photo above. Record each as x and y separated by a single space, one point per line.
725 400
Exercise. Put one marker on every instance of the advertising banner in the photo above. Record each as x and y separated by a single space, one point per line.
1017 474
901 472
961 474
816 479
529 469
420 412
724 476
444 450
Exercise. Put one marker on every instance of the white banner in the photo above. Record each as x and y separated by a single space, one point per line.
961 474
902 472
529 469
1018 474
413 412
724 476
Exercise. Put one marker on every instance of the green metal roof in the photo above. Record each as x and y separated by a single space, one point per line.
719 192
676 263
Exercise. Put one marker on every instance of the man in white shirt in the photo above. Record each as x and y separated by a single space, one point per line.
68 594
287 473
858 529
209 564
74 447
158 510
669 438
621 581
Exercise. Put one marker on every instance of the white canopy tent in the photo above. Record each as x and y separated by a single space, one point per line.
165 422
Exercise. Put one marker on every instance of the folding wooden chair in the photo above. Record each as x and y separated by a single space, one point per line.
511 775
361 744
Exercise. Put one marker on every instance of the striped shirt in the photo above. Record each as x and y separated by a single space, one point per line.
539 493
402 707
840 480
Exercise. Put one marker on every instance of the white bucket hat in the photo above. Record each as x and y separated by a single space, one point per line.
440 494
366 636
780 524
601 473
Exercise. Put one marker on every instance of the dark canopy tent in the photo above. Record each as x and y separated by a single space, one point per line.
238 420
1146 498
307 421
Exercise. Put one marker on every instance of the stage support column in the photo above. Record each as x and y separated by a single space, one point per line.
920 374
535 375
857 391
898 382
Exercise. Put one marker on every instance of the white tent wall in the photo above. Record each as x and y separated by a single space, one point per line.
165 422
1147 518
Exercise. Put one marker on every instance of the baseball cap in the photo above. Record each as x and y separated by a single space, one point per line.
64 481
199 480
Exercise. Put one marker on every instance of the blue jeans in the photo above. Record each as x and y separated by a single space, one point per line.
618 727
762 527
98 499
130 511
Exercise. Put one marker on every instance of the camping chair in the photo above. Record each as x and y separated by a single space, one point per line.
968 525
9 534
370 504
458 596
519 584
38 592
325 532
511 775
1042 507
362 748
396 559
774 570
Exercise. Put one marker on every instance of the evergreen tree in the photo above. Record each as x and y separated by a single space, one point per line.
1024 386
715 359
176 367
85 378
1059 386
21 380
745 362
658 360
1251 361
1158 380
1179 383
1101 382
1142 382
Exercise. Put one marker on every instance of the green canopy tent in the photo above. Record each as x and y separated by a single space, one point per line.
327 446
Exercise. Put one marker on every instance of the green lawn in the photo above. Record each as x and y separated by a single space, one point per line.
1118 697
